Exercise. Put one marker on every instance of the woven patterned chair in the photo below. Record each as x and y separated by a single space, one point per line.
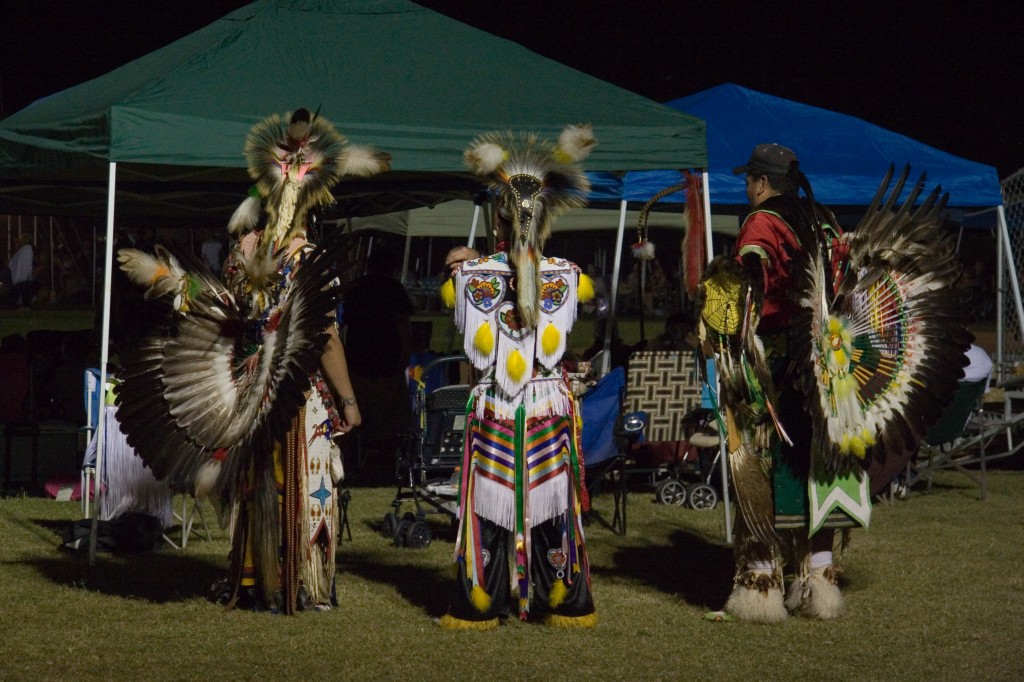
667 386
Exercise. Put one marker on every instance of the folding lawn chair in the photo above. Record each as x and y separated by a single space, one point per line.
667 386
600 409
951 441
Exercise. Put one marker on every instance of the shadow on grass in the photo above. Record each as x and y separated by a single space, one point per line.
690 566
161 575
426 588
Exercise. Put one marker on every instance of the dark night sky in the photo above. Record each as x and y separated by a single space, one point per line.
947 74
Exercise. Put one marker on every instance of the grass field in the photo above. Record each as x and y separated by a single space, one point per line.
933 593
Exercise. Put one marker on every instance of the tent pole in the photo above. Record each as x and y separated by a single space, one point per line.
472 227
104 343
708 247
1001 372
492 245
93 230
53 287
405 255
1004 233
606 360
723 454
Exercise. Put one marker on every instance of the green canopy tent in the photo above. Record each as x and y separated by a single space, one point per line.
161 137
386 72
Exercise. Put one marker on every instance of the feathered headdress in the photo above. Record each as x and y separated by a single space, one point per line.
533 181
295 165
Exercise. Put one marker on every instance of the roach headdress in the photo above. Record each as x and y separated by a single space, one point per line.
533 182
295 165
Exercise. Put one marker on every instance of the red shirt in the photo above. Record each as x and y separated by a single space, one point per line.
766 234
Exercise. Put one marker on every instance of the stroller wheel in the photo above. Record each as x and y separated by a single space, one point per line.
402 533
390 525
703 496
408 516
671 491
419 535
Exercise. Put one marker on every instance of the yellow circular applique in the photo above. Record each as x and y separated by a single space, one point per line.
723 302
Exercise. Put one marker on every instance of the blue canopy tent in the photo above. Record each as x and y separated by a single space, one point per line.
844 158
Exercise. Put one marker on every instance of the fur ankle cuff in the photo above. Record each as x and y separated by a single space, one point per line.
757 597
817 594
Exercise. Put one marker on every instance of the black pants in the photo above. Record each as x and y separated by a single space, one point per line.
547 566
24 294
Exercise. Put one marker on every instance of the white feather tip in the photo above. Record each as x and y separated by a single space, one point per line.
246 217
643 250
577 141
364 161
206 478
146 270
485 158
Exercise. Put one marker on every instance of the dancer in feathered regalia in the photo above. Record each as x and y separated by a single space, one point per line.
832 350
242 396
521 492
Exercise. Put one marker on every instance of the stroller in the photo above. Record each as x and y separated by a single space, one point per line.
684 470
427 468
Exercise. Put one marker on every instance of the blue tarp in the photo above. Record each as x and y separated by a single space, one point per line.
844 157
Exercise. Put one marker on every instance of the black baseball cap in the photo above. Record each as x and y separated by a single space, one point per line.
769 158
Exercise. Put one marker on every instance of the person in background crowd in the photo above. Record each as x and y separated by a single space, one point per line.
211 253
376 314
23 274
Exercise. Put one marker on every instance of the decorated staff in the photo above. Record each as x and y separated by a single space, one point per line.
521 494
832 351
242 396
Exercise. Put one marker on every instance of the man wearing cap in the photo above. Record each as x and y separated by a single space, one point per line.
770 474
770 230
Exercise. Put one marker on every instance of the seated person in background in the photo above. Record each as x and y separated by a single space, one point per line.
680 334
422 356
619 349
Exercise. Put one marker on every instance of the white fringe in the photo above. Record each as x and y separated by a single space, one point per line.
494 502
543 398
471 321
547 398
131 486
564 317
549 499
